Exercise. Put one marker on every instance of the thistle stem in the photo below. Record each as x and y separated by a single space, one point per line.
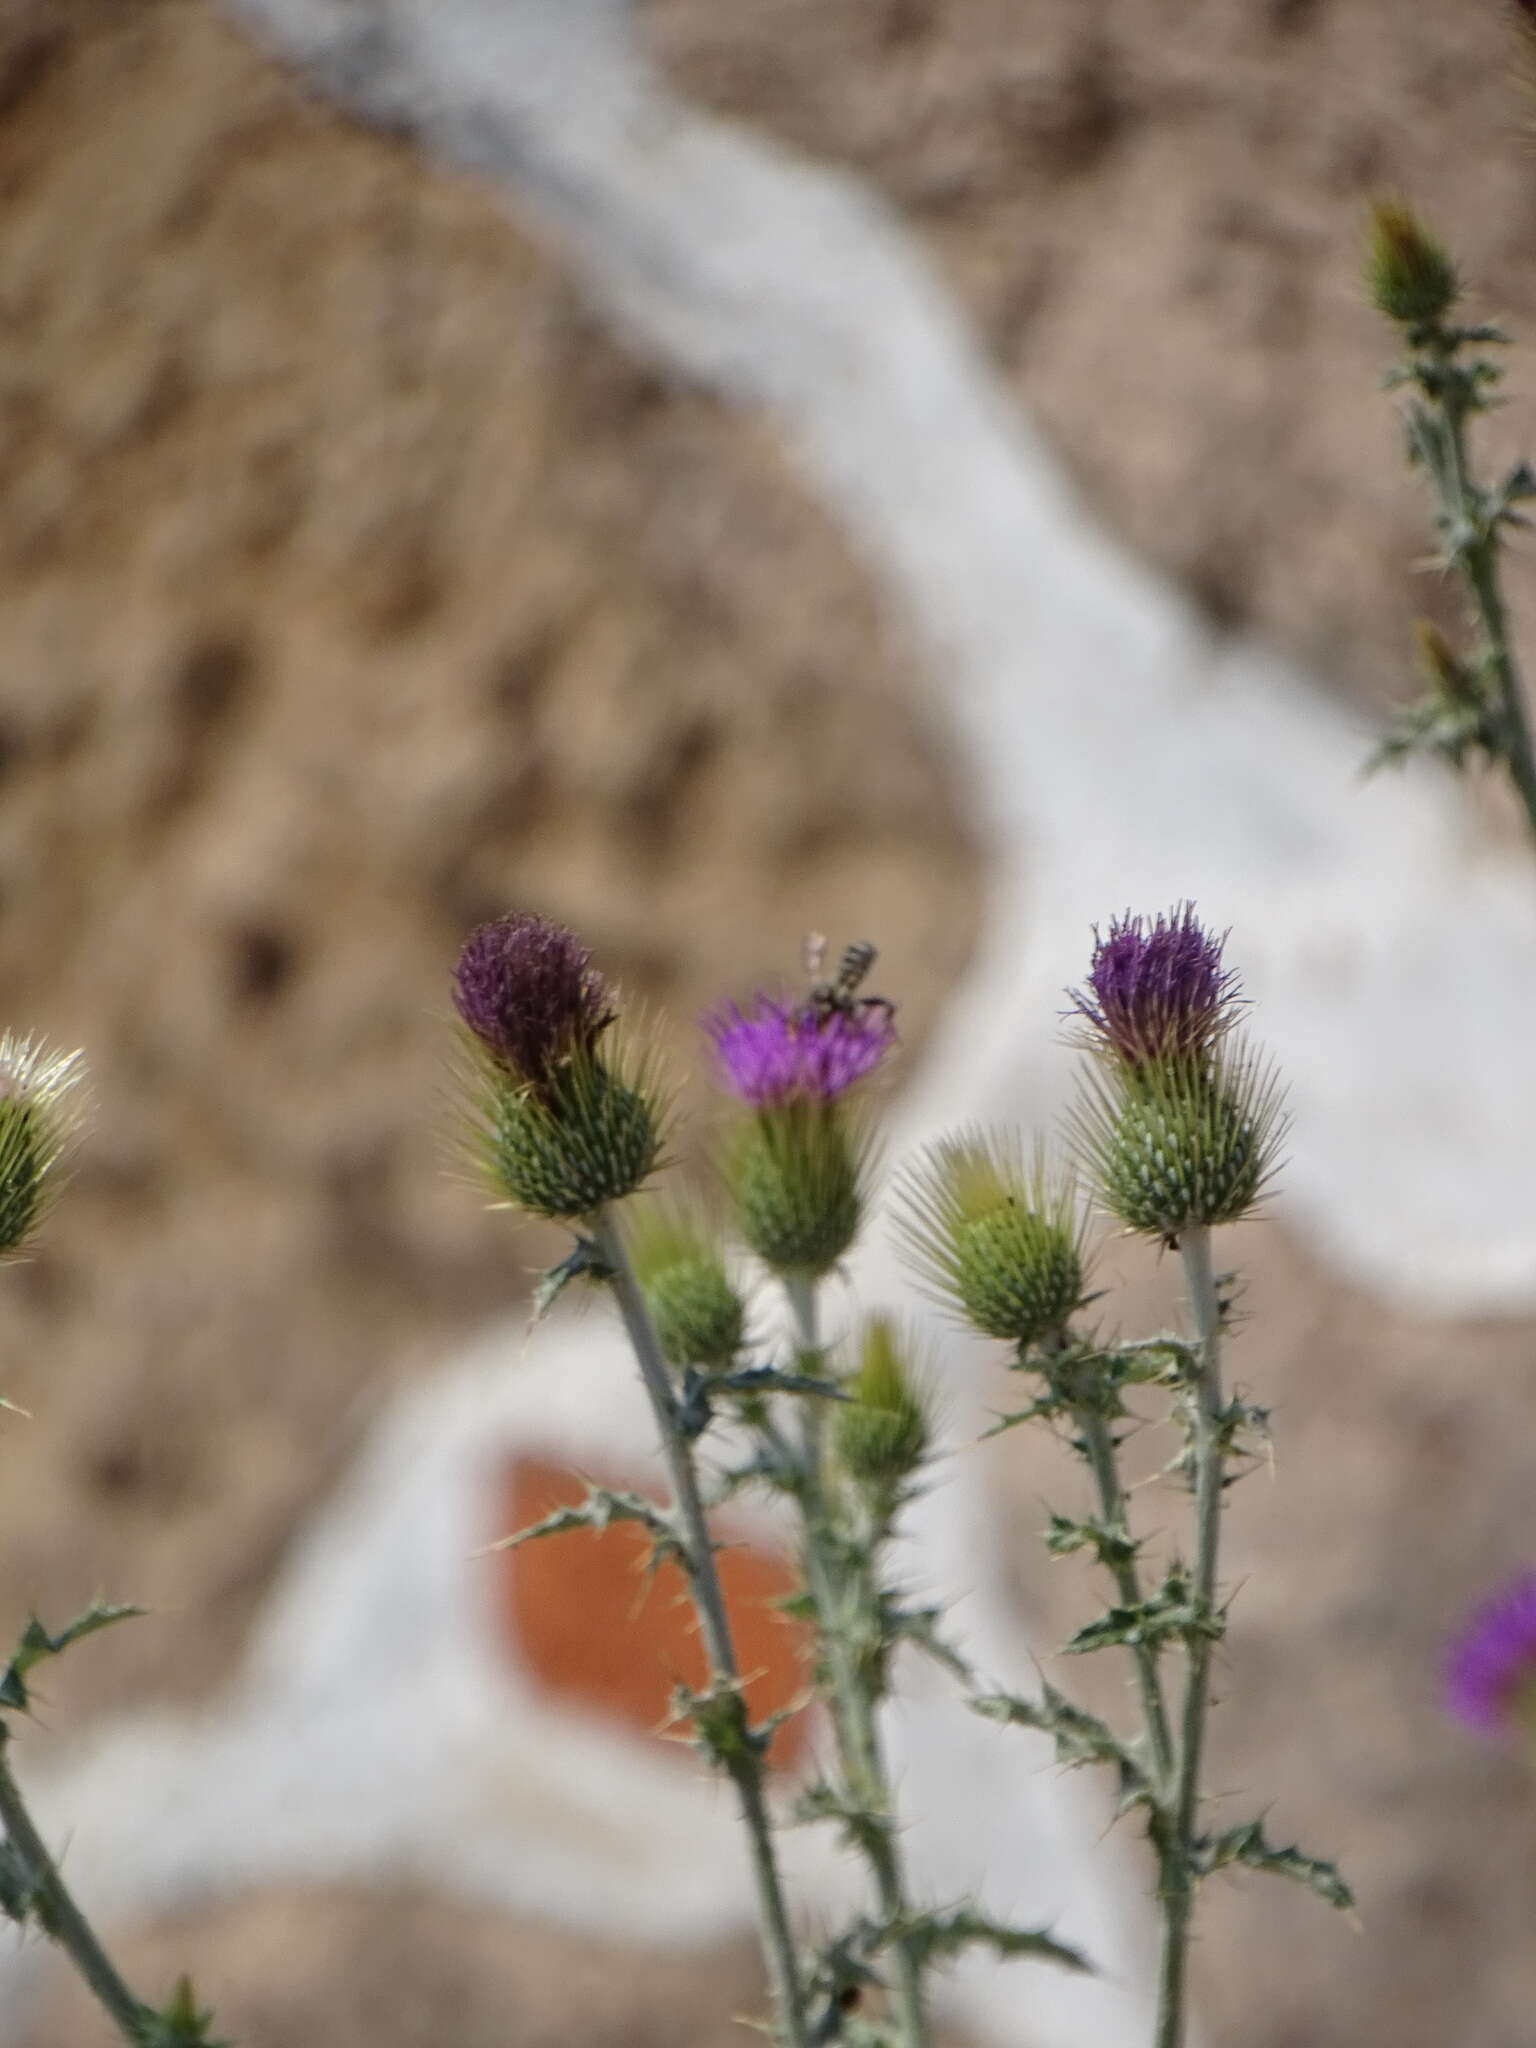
1473 546
1178 1876
745 1769
59 1915
854 1699
1099 1443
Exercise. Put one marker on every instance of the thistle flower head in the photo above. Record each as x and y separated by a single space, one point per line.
882 1433
559 1130
1408 273
993 1234
1156 988
677 1258
39 1115
773 1052
526 988
1490 1671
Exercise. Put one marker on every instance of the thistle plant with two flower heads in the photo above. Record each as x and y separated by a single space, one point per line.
1176 1132
40 1111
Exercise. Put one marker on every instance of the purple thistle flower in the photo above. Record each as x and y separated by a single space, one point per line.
528 991
1490 1670
772 1054
1156 988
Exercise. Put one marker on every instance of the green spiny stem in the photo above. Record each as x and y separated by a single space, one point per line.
62 1918
1474 551
854 1700
746 1771
1099 1443
1178 1874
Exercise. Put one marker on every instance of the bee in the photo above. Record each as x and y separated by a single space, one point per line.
840 996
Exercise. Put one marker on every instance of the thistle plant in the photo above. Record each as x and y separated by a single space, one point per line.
1473 704
1176 1133
40 1113
564 1132
796 1170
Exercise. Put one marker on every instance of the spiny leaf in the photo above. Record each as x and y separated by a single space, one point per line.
36 1644
1080 1737
920 1627
722 1728
182 2023
599 1511
583 1260
938 1937
768 1379
1111 1545
1046 1409
1173 1613
863 1827
1248 1846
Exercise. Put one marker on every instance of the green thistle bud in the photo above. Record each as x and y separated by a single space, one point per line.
796 1173
699 1316
563 1150
990 1234
882 1432
1186 1143
39 1115
1409 274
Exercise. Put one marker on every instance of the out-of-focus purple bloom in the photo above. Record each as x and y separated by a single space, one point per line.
1490 1671
773 1053
528 991
1156 988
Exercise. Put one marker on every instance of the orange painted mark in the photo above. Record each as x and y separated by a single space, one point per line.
594 1625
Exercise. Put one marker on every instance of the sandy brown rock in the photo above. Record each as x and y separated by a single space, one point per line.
1153 213
354 589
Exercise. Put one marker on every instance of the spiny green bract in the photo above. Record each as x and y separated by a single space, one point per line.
992 1235
1191 1144
37 1121
882 1432
699 1316
586 1139
796 1174
1409 274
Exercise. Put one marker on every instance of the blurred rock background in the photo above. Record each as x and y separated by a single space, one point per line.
355 584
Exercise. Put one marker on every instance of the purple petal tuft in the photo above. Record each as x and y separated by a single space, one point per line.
528 991
1156 988
771 1053
1492 1663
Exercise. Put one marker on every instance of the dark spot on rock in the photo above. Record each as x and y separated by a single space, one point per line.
211 678
264 963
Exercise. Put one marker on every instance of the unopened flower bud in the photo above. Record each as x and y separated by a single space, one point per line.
39 1114
1409 274
882 1431
699 1316
993 1236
